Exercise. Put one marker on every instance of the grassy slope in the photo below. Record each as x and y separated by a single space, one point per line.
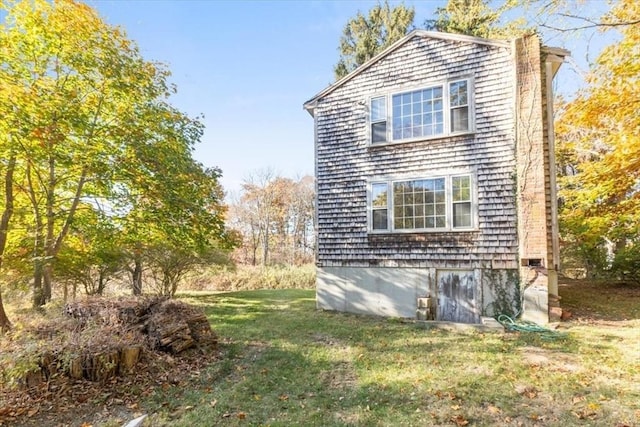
284 363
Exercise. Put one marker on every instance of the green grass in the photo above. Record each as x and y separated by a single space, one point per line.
285 363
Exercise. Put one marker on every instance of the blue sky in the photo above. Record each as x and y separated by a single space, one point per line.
248 66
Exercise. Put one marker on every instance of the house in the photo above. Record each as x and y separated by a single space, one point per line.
436 192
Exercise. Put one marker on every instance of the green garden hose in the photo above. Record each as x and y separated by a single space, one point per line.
524 326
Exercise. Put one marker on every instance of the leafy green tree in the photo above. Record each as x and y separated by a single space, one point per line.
476 18
87 118
92 255
365 36
599 152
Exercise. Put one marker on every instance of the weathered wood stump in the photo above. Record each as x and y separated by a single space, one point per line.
129 356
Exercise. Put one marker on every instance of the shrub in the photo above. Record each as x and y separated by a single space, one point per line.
243 278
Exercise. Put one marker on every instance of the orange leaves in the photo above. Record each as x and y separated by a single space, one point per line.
459 420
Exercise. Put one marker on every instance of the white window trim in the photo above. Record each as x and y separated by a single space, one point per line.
390 180
445 107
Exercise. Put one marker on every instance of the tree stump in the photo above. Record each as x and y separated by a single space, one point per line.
75 368
128 358
101 366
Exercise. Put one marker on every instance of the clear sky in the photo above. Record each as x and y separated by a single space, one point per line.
248 66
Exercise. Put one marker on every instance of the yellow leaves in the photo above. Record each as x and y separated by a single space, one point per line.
598 135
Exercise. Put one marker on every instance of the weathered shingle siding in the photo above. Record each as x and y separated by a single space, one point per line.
345 161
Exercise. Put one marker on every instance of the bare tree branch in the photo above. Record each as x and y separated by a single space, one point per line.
591 23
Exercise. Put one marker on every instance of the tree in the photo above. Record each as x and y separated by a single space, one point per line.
274 216
92 254
365 36
89 124
475 18
599 151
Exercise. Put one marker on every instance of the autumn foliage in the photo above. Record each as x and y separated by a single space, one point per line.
99 168
599 155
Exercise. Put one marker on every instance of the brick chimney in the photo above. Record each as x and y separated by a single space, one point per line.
536 183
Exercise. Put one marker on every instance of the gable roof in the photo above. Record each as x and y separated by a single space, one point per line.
311 104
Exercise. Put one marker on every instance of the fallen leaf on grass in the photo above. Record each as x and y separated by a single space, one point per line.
460 420
493 409
241 415
213 403
583 415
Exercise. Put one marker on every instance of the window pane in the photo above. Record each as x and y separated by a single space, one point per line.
440 222
379 195
398 223
429 197
397 109
378 108
460 119
408 198
379 132
458 93
462 214
427 130
380 219
419 222
461 188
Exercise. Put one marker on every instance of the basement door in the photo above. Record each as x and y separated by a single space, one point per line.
457 299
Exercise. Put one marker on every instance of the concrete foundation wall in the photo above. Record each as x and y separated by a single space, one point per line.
389 292
393 292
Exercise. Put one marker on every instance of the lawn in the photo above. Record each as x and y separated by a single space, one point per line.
281 362
284 363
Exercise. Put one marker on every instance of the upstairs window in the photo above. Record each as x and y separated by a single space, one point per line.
429 112
425 204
